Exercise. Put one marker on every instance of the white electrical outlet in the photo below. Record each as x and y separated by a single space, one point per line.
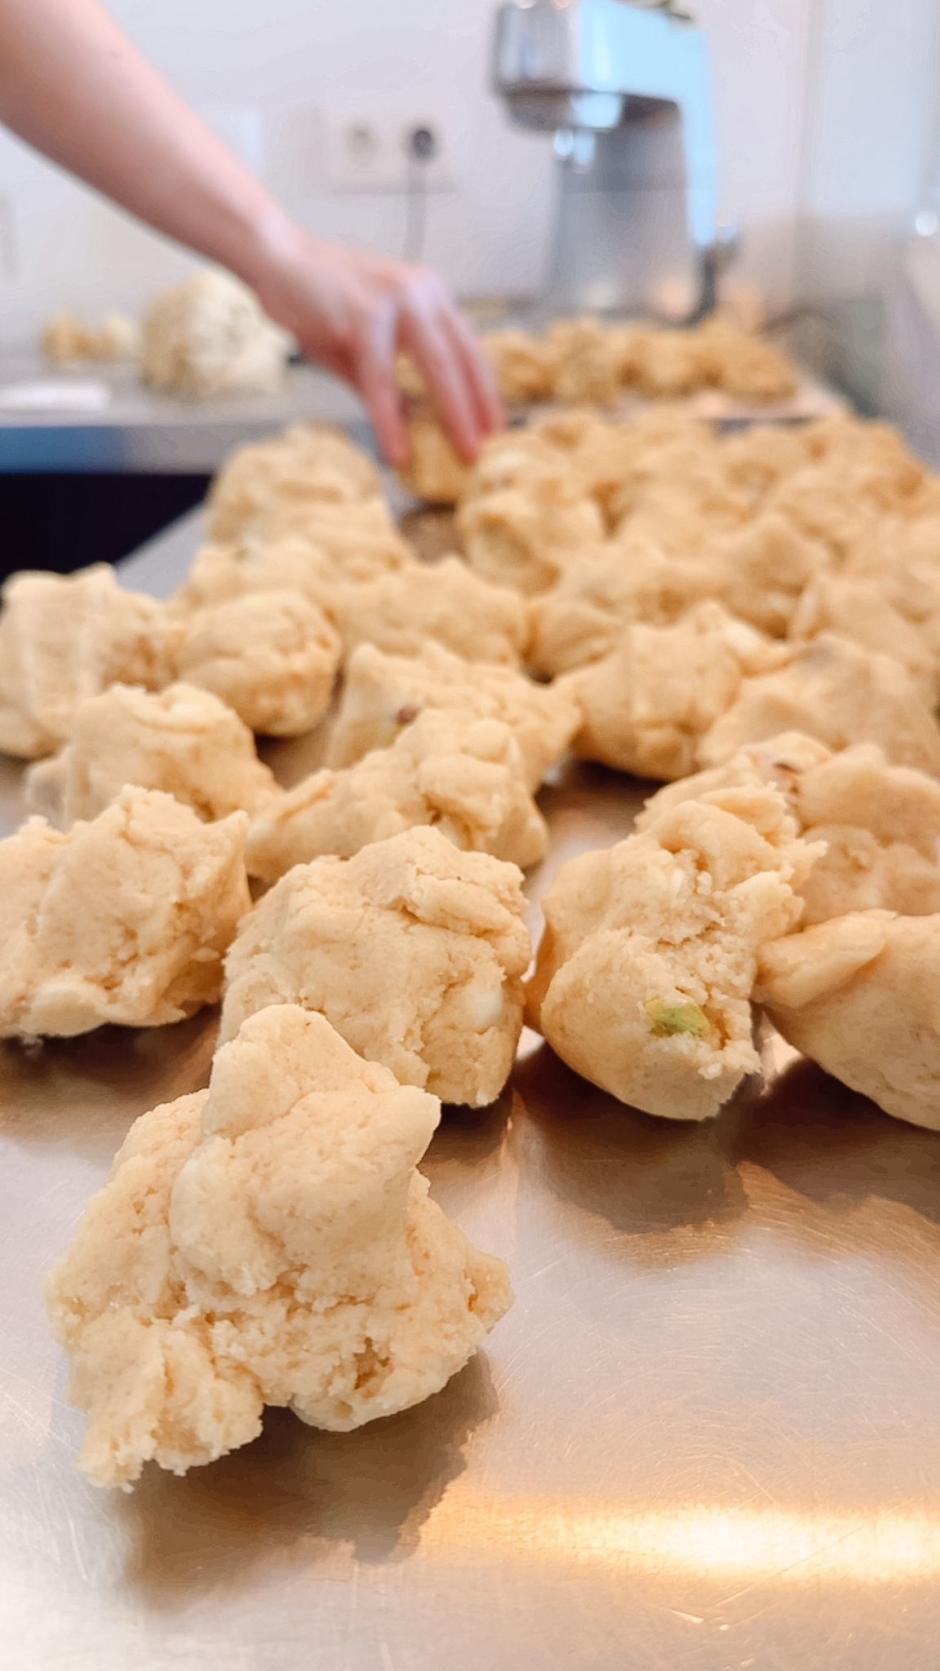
385 150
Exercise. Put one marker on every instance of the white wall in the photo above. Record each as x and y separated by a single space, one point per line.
265 74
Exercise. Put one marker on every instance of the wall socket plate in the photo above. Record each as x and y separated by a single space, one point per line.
376 150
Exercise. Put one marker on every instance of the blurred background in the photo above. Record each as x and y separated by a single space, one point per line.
826 115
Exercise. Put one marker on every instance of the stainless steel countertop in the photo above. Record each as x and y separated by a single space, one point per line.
139 430
704 1439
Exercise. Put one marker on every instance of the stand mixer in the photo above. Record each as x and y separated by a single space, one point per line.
626 93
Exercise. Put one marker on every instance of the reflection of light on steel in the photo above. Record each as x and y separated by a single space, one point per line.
787 1545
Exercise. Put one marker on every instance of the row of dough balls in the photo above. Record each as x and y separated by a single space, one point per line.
589 361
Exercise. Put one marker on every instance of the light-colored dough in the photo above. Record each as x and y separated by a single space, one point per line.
413 951
838 692
292 563
862 610
442 601
434 472
64 638
522 365
266 1242
272 656
209 337
124 919
646 706
463 775
880 823
527 535
645 973
301 469
861 996
181 740
381 693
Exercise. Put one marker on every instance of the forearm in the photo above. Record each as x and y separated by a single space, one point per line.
75 87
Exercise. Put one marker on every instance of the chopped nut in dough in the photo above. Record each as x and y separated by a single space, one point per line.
414 952
63 638
266 1242
125 919
382 693
860 995
644 976
463 775
182 740
838 692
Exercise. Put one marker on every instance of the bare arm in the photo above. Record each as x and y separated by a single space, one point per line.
74 86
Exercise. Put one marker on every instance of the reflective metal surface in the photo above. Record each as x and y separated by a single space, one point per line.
704 1439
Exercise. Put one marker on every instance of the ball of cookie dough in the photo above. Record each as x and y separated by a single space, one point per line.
743 364
441 601
266 1242
307 466
64 638
526 536
413 951
835 691
862 611
463 775
880 823
646 706
522 364
272 656
645 973
209 337
585 366
293 563
124 919
434 472
860 995
181 740
382 693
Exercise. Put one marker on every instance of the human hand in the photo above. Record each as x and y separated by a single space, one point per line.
353 312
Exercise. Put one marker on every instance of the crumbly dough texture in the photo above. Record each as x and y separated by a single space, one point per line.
69 340
463 775
64 638
880 823
294 563
266 1242
303 470
646 706
181 740
414 952
528 535
645 973
838 692
434 472
860 995
443 601
209 337
125 919
381 693
272 656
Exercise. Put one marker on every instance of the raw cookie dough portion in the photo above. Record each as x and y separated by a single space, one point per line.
272 656
414 952
522 365
434 471
299 470
880 823
63 638
586 366
463 775
528 535
382 693
441 601
835 691
644 976
267 1241
209 337
861 996
646 706
292 563
861 610
182 740
125 919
